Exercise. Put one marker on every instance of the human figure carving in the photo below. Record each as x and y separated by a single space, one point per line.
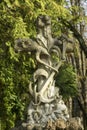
45 94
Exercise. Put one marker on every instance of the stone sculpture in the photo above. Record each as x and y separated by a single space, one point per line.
47 105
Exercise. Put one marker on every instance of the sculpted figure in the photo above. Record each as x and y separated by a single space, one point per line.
44 92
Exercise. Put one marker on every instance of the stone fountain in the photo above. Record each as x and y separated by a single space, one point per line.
46 104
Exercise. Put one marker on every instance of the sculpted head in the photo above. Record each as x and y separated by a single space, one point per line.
43 20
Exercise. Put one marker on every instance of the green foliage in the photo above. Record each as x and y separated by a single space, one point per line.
66 80
15 69
20 32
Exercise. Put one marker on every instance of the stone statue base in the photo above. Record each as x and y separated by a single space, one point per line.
59 124
41 114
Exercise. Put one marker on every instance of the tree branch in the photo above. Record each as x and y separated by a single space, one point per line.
77 35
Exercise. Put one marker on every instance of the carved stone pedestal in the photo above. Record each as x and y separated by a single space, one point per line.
60 124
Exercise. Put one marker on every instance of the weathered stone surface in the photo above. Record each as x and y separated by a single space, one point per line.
75 124
60 124
47 105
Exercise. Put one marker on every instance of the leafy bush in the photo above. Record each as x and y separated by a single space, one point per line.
66 80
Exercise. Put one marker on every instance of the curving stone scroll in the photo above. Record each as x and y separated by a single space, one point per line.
47 104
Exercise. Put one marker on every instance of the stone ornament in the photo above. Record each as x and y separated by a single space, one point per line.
47 105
